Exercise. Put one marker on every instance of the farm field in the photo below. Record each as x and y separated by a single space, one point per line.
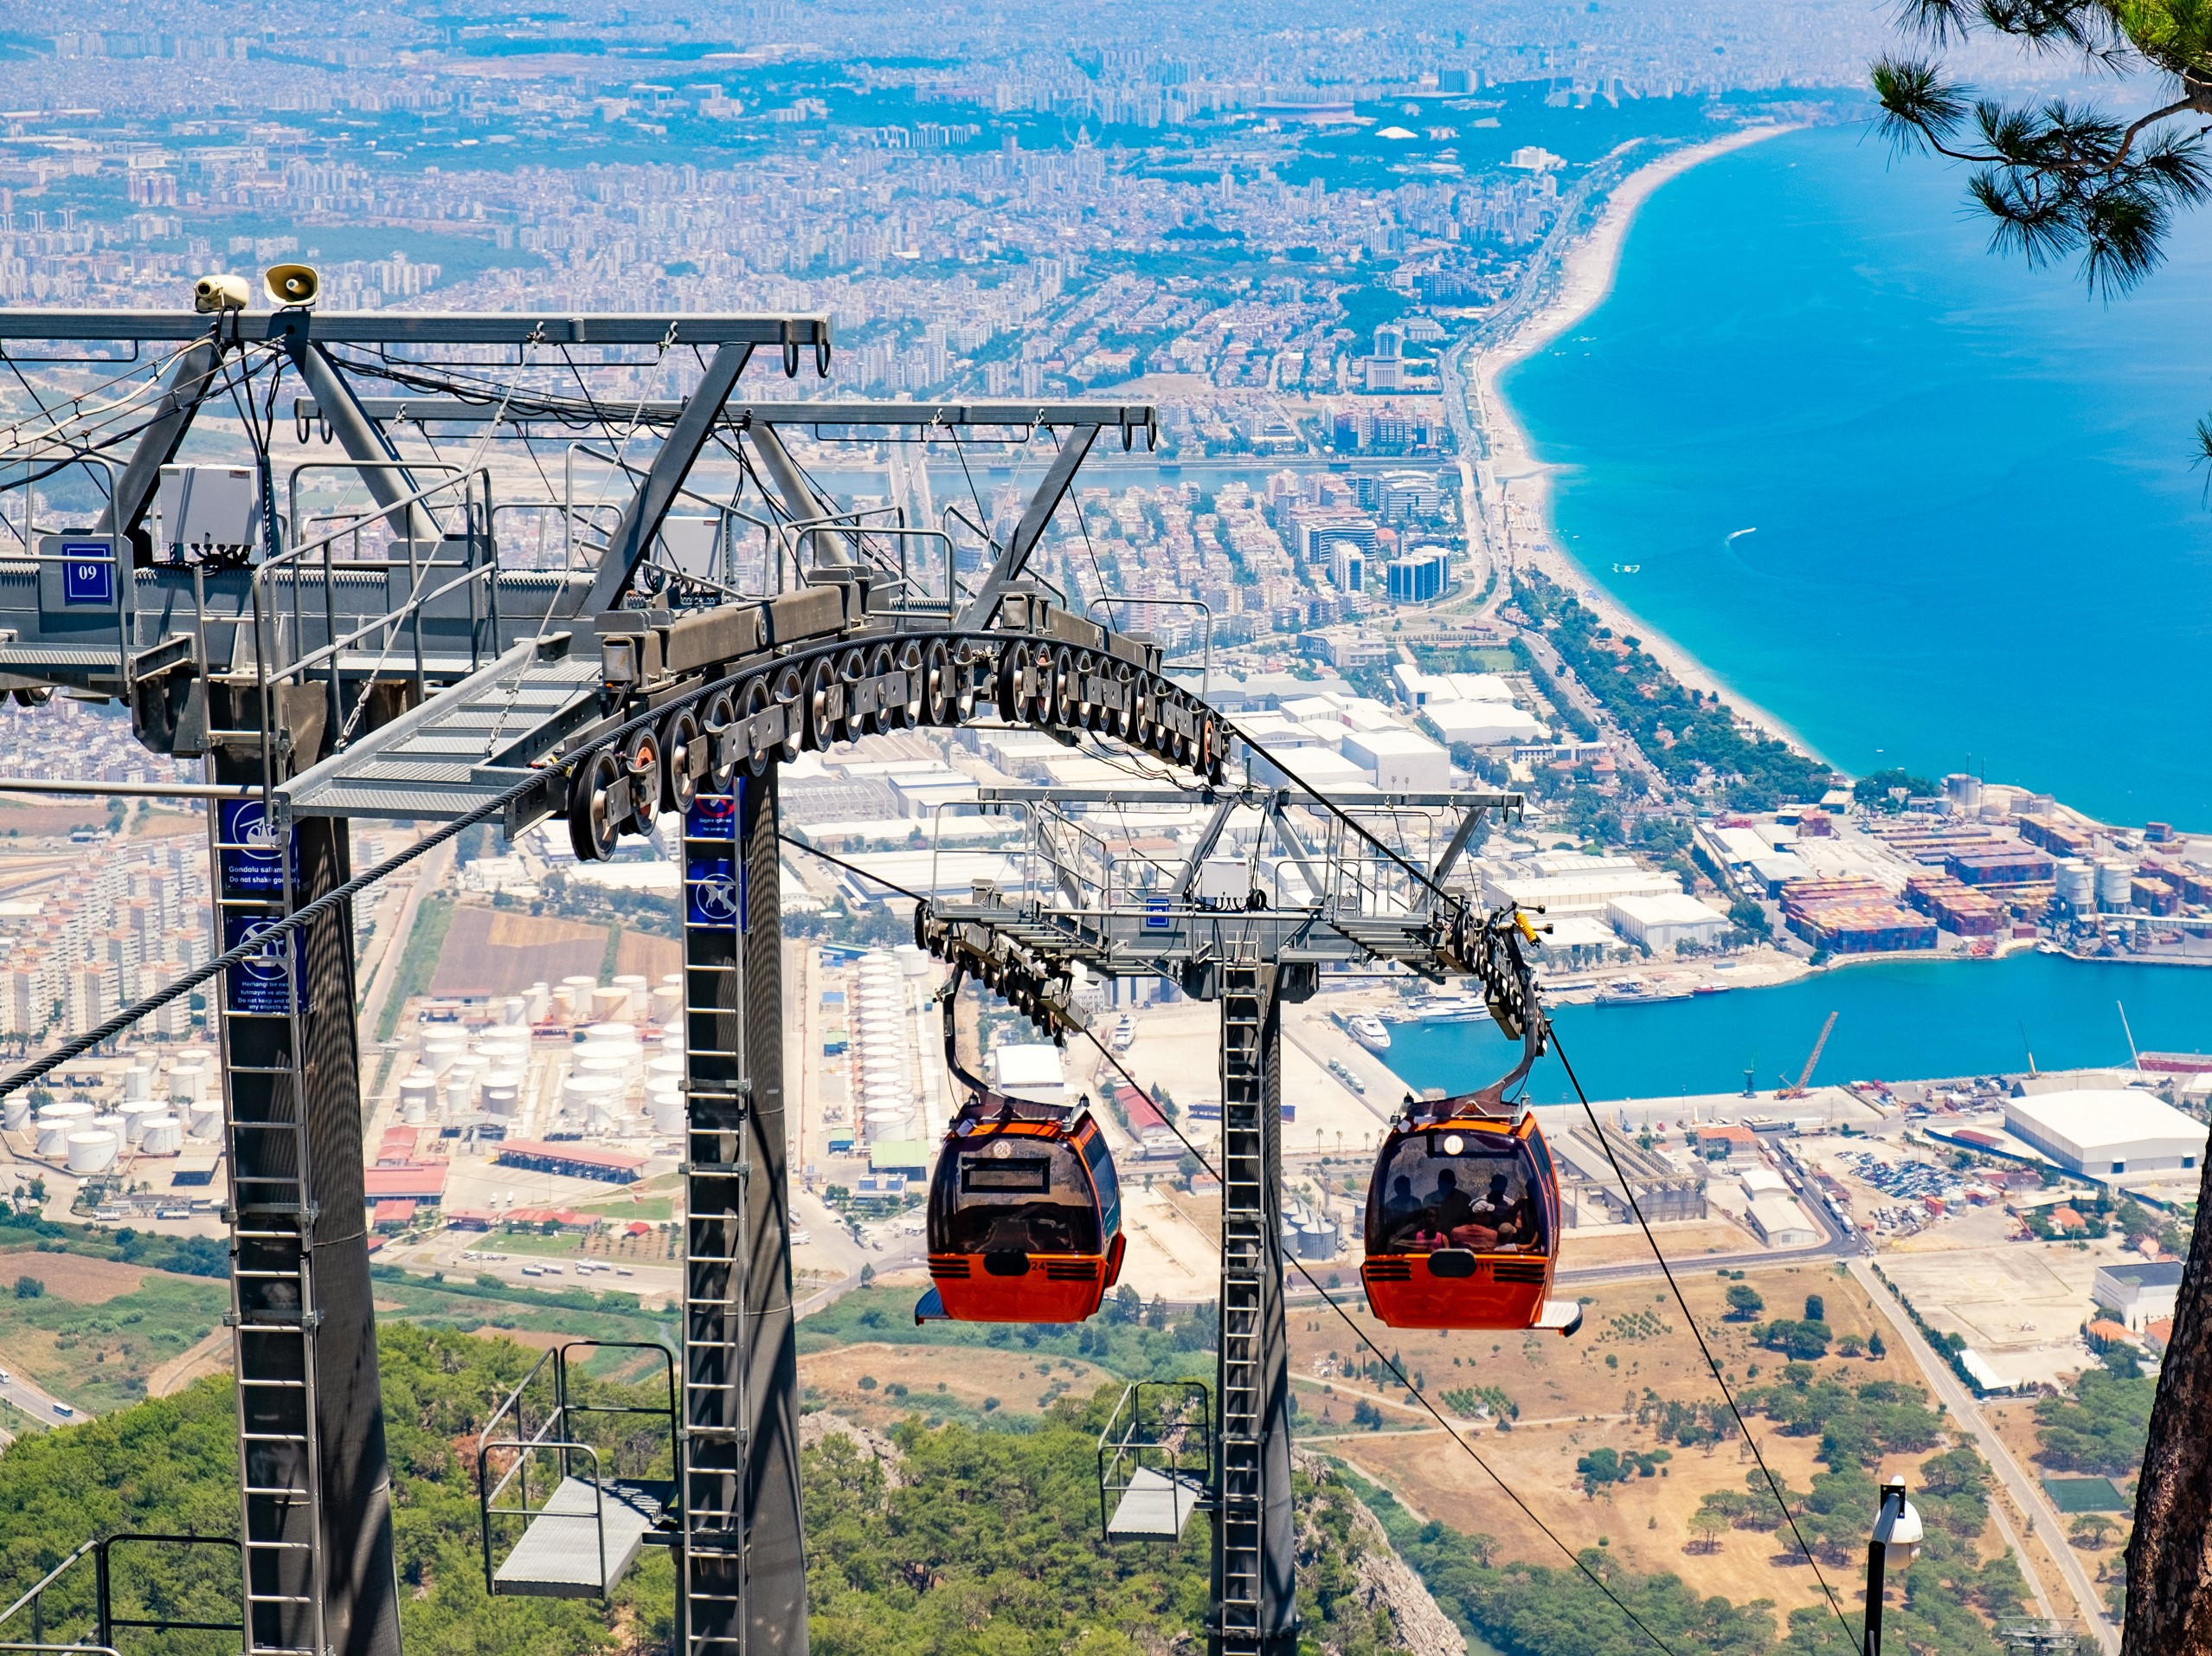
493 951
96 1331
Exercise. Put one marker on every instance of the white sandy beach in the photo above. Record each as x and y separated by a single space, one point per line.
1586 276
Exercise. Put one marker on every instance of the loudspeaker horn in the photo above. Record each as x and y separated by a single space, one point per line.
291 286
219 292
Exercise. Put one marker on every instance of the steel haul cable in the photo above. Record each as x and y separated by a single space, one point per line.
1689 1316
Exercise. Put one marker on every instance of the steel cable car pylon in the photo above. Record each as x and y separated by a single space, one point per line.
742 1589
316 1530
1255 1538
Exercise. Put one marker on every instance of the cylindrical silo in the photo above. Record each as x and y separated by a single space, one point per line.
16 1112
637 991
2077 884
502 1093
2115 885
165 1135
205 1119
92 1150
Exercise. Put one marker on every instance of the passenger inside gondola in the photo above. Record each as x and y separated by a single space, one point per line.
1031 1200
1429 1206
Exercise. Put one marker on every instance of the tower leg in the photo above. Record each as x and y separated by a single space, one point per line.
316 1485
744 1562
1255 1541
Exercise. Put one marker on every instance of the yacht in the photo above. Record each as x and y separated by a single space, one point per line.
1368 1030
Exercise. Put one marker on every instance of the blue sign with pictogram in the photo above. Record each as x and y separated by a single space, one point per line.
88 573
712 816
255 984
1155 914
714 892
252 853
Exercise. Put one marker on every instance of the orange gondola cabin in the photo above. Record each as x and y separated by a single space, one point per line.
1024 1216
1463 1220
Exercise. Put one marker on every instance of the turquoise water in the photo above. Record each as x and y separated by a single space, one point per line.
1979 537
1896 1021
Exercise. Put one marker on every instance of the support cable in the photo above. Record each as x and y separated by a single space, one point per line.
1773 1484
1381 1356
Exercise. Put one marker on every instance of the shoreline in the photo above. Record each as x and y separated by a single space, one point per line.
1587 271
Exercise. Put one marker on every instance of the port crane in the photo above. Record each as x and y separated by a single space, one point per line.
1797 1089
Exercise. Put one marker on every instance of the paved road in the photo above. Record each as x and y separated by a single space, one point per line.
38 1403
2023 1488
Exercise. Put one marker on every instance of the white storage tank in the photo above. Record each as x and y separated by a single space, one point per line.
205 1120
165 1135
665 1104
418 1094
137 1081
56 1122
668 999
538 1001
514 1008
633 985
187 1081
502 1093
15 1111
92 1150
135 1116
913 961
2115 885
609 1003
439 1051
589 1100
2077 884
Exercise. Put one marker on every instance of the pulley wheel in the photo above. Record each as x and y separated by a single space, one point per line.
679 740
721 713
592 829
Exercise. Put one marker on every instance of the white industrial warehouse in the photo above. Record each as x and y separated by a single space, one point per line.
2107 1133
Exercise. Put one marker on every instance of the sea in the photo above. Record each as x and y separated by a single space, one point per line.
1930 507
1900 1020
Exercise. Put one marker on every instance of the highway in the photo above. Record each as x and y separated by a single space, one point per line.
2023 1488
37 1403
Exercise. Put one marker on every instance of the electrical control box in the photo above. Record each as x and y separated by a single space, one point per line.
207 509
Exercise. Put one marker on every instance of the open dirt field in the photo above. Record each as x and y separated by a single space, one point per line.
1019 1380
210 1357
1624 1245
493 951
653 958
2020 1304
1572 1400
72 1276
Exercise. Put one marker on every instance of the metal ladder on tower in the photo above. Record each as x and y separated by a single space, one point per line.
1246 987
718 1094
274 1316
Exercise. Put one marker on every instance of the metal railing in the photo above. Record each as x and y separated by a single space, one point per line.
554 1437
105 1622
1162 1427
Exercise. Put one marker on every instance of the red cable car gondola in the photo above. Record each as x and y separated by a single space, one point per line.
1463 1211
1025 1217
